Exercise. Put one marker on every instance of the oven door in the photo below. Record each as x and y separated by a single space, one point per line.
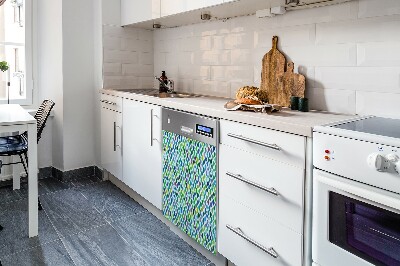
353 223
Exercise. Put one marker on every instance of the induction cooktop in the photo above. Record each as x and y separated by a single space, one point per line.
386 127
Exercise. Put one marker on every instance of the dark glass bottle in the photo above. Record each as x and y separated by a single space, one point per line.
163 78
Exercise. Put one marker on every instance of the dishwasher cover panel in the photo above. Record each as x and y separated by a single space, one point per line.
190 187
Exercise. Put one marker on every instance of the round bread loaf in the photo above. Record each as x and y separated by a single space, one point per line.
246 92
251 95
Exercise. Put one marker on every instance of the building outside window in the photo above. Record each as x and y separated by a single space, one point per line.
16 49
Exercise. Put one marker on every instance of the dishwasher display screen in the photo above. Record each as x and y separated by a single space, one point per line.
203 130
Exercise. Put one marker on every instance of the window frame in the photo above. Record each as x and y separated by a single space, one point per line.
29 57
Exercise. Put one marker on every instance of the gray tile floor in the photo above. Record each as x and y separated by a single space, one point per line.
87 222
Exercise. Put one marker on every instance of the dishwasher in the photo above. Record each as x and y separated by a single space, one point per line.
190 171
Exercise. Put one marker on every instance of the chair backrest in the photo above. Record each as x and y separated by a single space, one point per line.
41 116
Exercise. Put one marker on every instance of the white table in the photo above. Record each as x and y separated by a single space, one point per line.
14 118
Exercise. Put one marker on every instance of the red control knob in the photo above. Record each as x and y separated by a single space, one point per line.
327 151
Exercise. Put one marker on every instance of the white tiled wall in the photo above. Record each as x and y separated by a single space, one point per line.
127 57
350 54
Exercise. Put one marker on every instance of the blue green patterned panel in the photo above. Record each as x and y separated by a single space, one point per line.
190 187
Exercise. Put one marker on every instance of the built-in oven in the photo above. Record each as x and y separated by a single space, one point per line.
354 223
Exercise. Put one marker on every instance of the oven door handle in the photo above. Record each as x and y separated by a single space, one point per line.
366 192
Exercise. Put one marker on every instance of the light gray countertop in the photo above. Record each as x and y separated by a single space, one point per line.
299 123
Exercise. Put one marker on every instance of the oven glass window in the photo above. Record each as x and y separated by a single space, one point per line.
367 231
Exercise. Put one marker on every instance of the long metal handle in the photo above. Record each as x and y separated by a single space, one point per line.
267 145
115 136
241 178
120 138
151 127
239 232
108 102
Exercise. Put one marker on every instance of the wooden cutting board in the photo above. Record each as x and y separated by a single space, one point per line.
292 84
273 68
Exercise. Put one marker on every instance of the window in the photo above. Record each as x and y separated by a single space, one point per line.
16 49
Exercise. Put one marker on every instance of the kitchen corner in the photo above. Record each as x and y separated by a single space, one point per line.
200 132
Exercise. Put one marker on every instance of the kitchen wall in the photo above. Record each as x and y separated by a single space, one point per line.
49 77
66 63
127 55
349 53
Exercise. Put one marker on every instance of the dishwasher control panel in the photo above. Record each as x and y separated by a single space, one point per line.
205 130
201 128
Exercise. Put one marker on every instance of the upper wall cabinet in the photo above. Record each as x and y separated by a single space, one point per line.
135 11
172 7
174 13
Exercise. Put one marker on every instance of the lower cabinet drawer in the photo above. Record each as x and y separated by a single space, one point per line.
249 238
270 187
111 102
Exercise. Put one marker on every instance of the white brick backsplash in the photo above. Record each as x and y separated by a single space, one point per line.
209 28
339 101
115 31
116 56
374 8
112 69
137 45
160 59
195 72
137 70
216 88
381 29
231 73
378 79
288 36
128 60
222 57
185 58
129 81
145 82
184 85
322 55
244 40
382 54
146 58
145 35
349 54
111 43
240 57
380 104
196 43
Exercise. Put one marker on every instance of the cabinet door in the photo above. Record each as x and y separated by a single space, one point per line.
192 5
172 7
111 138
134 11
142 149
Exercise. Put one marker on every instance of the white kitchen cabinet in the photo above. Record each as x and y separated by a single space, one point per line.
142 149
134 11
172 7
261 186
192 5
111 138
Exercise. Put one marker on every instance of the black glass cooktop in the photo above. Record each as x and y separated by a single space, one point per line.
375 125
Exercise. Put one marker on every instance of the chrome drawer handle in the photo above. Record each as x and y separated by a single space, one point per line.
267 145
241 178
239 232
108 102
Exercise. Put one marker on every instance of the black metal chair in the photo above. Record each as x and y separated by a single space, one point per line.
18 145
